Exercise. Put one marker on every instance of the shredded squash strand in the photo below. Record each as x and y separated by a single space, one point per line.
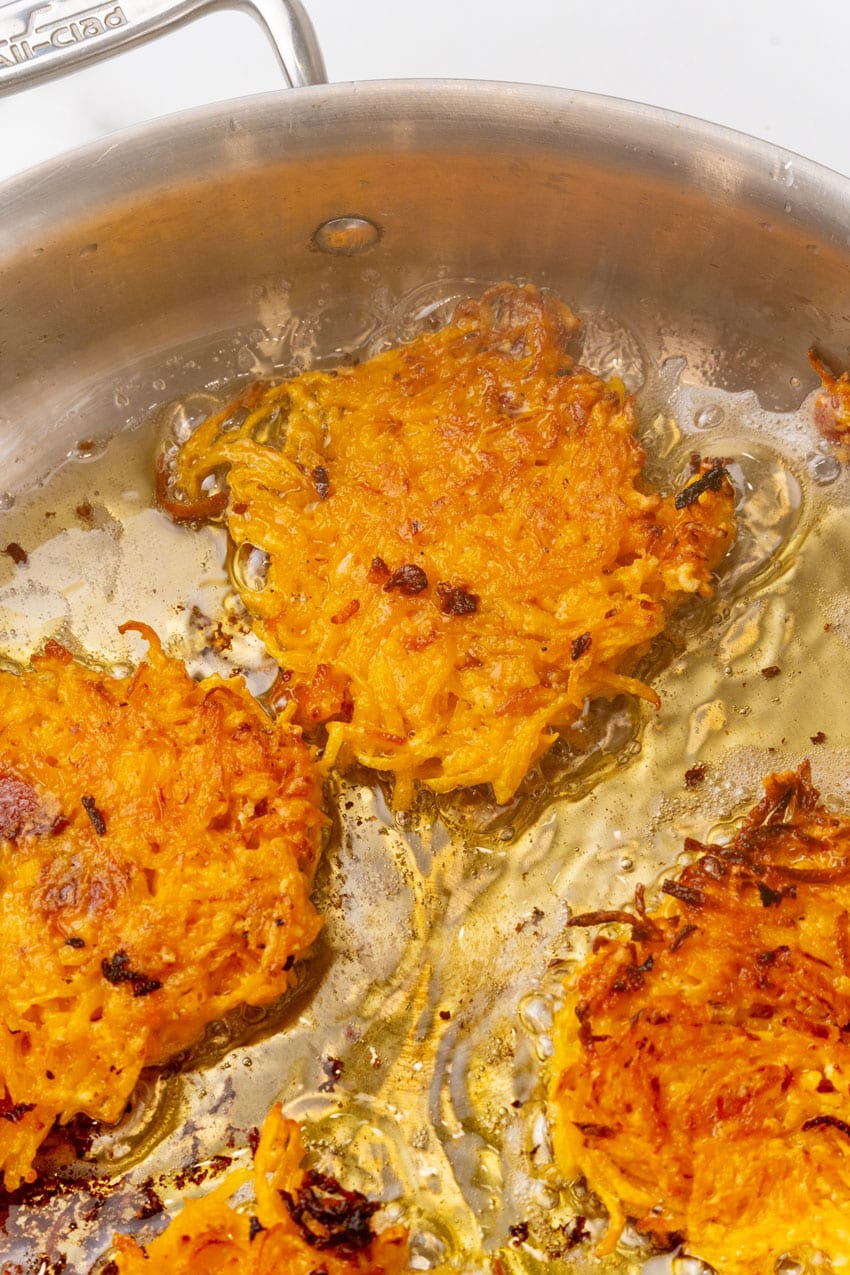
701 1074
298 1224
460 550
158 839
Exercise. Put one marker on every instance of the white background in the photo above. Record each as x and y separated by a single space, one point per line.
768 67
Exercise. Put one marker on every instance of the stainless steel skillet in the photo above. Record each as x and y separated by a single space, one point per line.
168 253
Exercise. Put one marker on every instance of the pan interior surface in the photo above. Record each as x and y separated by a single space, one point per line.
142 280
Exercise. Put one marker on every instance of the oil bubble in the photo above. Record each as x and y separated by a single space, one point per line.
87 449
218 1033
535 1013
685 1265
824 469
427 1249
250 568
710 417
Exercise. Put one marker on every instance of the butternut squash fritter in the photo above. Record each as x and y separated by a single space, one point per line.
158 839
701 1074
460 551
300 1222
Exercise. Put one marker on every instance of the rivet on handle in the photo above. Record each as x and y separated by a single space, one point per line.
346 236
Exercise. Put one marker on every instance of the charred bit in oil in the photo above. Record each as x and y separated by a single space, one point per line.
329 1217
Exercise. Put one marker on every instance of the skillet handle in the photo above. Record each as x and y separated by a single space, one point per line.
43 38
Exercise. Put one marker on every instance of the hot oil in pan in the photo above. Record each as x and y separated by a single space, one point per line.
414 1050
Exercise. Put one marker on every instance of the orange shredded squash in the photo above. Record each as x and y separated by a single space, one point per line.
460 551
158 839
832 406
299 1223
701 1073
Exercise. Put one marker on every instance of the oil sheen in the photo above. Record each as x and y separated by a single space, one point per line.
441 963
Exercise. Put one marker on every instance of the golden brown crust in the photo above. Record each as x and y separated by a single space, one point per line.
460 550
701 1077
299 1223
158 843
